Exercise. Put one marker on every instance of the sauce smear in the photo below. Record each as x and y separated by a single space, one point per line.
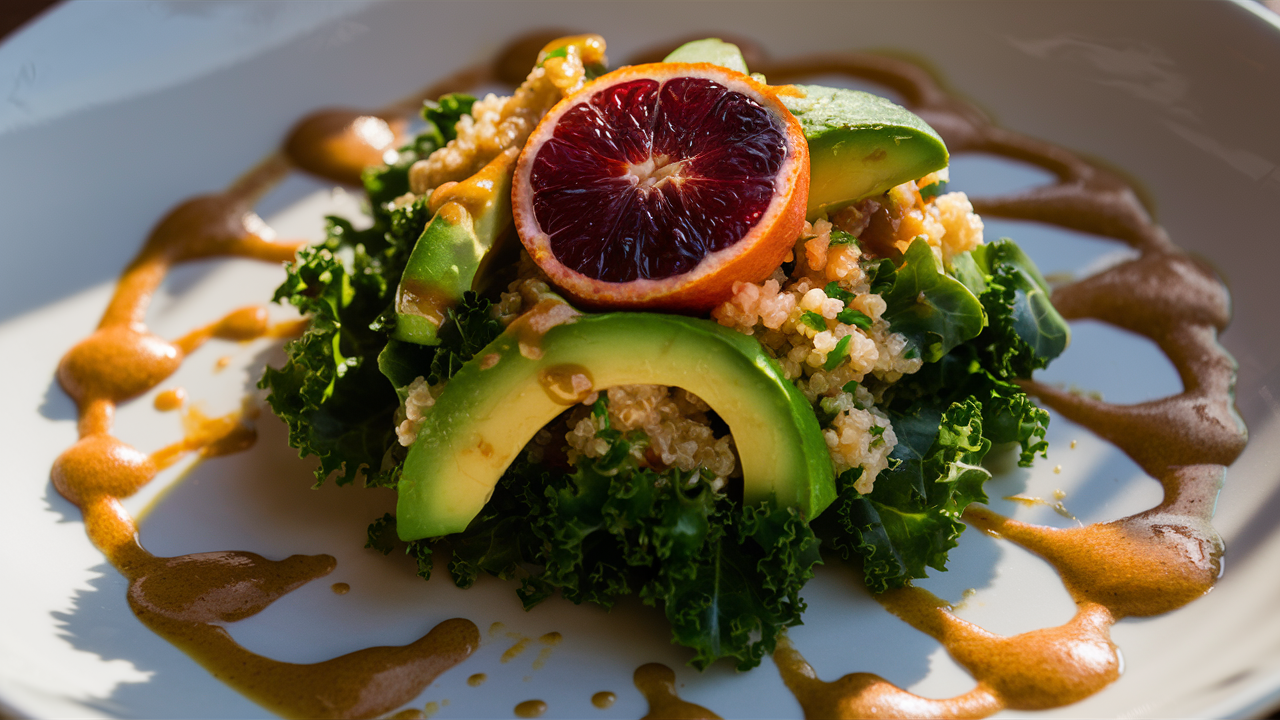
1147 564
185 599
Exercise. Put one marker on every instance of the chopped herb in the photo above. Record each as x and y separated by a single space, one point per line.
600 409
849 316
833 290
837 355
933 190
559 52
850 386
840 237
814 320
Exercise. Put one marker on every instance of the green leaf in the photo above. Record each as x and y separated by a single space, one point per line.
933 189
443 114
814 320
857 318
381 535
840 237
1026 331
329 391
911 518
833 290
837 354
932 309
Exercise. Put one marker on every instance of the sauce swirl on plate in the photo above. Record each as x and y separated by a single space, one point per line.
1143 565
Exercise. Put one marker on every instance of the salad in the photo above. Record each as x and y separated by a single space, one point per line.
692 422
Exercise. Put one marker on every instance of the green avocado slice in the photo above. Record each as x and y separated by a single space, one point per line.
709 50
860 144
472 215
499 399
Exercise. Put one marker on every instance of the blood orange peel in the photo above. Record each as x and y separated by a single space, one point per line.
658 186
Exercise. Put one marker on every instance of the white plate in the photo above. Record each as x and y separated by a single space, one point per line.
112 113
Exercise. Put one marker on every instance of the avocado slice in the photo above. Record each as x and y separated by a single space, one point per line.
860 144
499 399
470 217
710 50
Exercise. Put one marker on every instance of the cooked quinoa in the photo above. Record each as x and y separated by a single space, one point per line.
797 322
499 122
674 421
419 397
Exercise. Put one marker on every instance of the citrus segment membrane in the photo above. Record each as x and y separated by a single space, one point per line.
660 185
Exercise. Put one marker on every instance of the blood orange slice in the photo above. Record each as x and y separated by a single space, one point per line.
658 186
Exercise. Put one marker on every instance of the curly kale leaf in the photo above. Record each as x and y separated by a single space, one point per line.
1008 414
500 540
442 116
911 518
337 405
746 585
330 392
933 310
1025 330
470 327
727 578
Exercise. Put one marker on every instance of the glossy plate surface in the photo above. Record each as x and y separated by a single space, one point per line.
114 112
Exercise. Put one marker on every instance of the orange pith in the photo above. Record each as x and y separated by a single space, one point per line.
710 255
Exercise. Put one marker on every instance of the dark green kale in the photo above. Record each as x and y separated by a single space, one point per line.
442 117
911 518
1025 330
728 577
330 392
932 309
947 415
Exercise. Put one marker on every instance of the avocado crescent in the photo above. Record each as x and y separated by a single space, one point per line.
522 380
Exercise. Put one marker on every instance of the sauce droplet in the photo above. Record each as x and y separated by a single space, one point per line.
338 144
340 588
604 699
530 709
567 384
516 650
170 400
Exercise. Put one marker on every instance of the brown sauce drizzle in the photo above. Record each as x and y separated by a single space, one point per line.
339 143
185 599
604 699
1147 564
657 683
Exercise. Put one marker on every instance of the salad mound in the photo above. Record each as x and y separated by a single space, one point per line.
898 333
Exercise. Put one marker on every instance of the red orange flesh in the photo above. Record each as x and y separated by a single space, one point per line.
658 186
